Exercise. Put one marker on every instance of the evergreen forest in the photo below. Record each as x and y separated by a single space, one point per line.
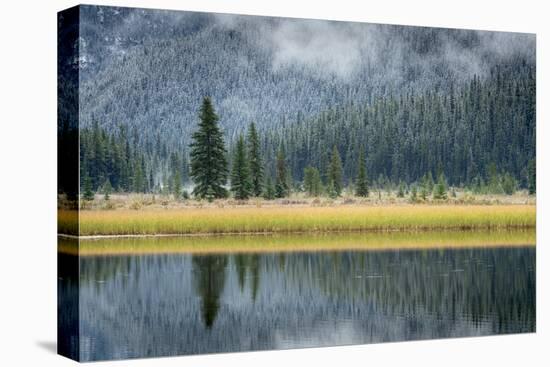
212 106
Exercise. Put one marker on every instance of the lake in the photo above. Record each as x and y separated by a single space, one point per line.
147 305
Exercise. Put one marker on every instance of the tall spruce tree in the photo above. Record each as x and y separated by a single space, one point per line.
208 156
240 174
281 184
335 173
362 182
255 161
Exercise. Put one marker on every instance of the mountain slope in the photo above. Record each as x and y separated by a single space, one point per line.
149 69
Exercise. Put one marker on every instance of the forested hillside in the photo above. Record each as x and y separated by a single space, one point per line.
412 101
460 132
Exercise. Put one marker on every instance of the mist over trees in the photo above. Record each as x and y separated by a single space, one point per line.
311 106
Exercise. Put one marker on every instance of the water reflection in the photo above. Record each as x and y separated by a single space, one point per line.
209 278
248 268
155 305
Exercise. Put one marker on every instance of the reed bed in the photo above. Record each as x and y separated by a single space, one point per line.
307 219
359 241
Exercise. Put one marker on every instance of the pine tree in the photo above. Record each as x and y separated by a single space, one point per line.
335 173
425 186
414 194
107 189
532 177
312 181
362 182
430 182
494 181
289 181
240 175
453 192
281 185
478 185
88 193
331 191
126 176
440 189
255 161
144 187
380 182
317 183
151 181
308 180
509 184
208 156
176 185
424 193
269 192
401 190
139 176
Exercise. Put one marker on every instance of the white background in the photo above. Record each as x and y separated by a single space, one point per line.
28 182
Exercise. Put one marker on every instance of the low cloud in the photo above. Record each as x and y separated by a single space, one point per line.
325 46
347 50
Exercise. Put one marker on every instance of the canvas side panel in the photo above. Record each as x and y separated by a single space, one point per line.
68 182
68 330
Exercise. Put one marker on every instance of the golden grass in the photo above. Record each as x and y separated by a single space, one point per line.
365 241
307 219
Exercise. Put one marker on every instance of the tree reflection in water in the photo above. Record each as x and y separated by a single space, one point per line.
209 280
169 304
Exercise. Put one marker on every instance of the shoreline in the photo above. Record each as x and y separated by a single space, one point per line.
418 230
304 242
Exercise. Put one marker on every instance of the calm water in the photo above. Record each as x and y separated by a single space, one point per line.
160 305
